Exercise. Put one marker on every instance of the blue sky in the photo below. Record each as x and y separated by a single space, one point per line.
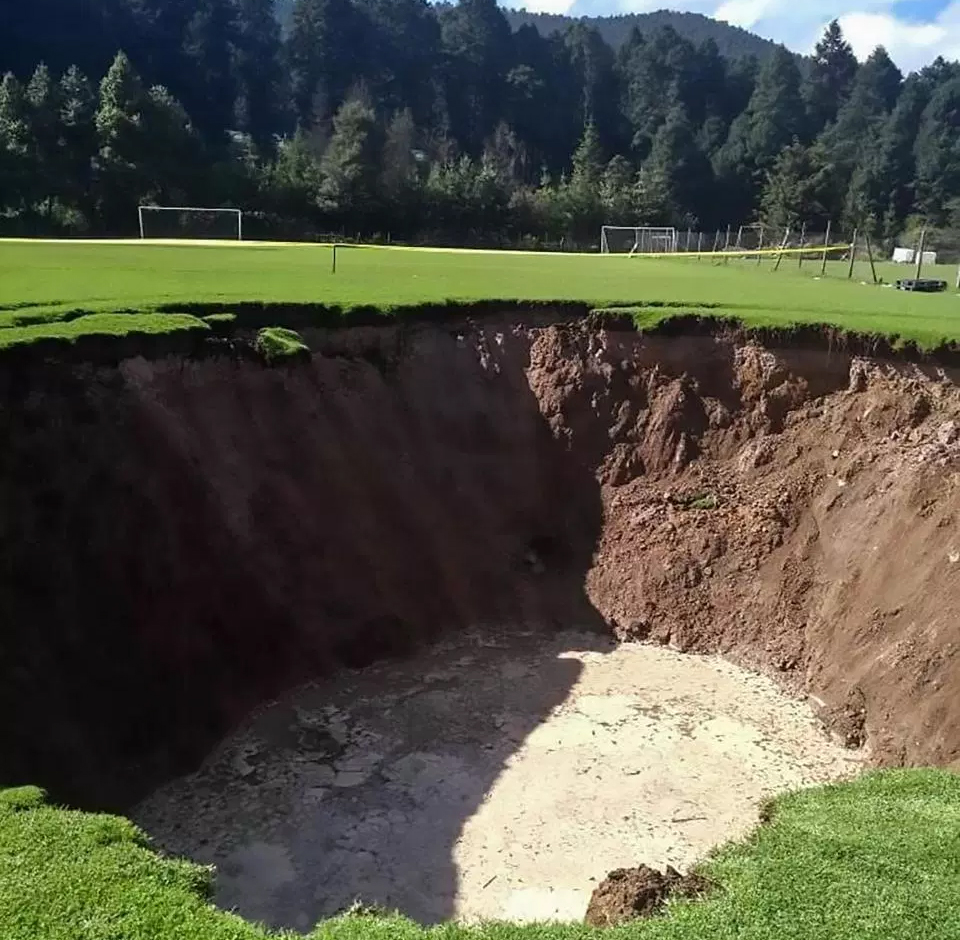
914 31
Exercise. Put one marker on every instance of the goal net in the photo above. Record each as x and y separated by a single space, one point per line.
622 239
190 222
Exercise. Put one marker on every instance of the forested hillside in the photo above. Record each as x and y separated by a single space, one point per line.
444 124
732 41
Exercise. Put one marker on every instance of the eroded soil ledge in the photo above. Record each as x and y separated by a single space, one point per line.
184 538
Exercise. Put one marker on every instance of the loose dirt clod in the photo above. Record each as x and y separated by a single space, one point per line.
629 893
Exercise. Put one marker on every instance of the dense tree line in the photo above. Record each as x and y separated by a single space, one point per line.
392 116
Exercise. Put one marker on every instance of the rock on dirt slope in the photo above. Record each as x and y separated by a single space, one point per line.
215 531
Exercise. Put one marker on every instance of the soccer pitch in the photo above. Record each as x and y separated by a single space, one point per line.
42 280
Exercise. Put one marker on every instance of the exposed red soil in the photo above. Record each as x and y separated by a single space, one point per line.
182 539
628 893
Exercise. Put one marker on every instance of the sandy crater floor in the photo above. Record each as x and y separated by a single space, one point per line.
492 776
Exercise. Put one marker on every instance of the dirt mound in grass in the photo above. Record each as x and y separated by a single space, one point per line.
628 893
184 539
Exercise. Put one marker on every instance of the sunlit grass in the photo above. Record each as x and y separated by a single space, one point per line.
873 859
42 281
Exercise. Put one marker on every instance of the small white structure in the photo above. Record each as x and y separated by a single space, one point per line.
909 256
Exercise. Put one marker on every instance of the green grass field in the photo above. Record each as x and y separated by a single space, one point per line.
44 281
875 859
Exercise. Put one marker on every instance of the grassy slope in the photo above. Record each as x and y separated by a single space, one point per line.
45 281
875 859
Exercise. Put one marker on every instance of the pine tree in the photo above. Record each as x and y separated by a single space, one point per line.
938 152
592 63
16 143
325 52
588 161
581 195
681 168
657 73
211 94
854 136
618 192
398 174
506 156
349 166
775 111
404 54
43 102
121 143
831 76
261 84
794 189
476 43
774 118
171 167
78 105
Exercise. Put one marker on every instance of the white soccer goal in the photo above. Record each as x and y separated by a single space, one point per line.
632 240
190 222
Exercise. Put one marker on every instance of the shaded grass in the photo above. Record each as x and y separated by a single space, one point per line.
106 325
107 277
874 859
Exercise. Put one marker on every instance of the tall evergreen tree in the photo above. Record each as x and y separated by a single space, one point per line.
172 167
775 110
403 54
884 183
261 84
210 96
349 166
325 51
683 169
774 118
854 136
16 143
477 48
592 63
585 211
544 98
657 73
938 153
831 76
122 146
795 188
78 105
43 101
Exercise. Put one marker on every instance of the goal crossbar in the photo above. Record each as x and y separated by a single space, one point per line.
200 210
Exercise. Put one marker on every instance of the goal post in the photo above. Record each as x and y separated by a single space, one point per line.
637 239
190 222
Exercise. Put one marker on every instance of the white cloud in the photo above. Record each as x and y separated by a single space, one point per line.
543 6
911 45
745 13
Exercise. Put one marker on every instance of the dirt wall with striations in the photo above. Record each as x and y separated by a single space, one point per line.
182 539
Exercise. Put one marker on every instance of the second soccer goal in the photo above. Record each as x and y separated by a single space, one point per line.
190 222
637 240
